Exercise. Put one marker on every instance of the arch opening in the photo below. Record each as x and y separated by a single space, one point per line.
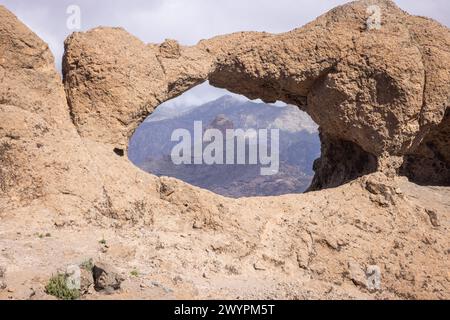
241 141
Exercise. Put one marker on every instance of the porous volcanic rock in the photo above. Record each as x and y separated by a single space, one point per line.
379 96
41 153
382 90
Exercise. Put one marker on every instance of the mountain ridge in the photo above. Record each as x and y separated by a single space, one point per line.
151 145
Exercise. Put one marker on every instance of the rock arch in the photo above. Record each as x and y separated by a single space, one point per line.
374 93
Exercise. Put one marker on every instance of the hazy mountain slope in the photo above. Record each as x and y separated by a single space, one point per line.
151 146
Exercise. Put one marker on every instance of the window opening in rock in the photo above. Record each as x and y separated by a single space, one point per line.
205 115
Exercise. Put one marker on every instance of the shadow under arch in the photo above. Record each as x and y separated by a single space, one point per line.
429 164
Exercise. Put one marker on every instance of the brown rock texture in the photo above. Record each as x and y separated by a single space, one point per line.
383 90
379 96
42 155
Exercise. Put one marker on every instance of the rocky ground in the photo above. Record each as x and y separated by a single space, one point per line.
311 246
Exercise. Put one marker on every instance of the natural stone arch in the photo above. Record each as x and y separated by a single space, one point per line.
374 93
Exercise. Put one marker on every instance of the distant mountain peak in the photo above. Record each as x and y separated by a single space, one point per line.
228 99
221 122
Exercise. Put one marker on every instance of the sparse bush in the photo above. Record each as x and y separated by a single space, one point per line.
42 235
57 287
135 273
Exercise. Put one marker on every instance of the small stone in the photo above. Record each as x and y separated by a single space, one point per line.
373 278
166 190
356 274
59 223
106 279
197 225
3 284
433 218
177 279
259 267
32 293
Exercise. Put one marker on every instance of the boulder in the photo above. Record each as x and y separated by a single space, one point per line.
106 278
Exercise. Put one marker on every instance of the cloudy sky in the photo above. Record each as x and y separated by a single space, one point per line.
188 21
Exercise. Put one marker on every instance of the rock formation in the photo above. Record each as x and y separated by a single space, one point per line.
380 97
381 90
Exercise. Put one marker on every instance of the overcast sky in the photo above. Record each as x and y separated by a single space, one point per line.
188 21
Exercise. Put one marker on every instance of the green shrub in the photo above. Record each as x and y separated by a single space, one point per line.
135 273
57 287
42 235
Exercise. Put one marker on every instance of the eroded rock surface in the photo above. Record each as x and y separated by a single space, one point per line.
378 96
383 90
41 153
